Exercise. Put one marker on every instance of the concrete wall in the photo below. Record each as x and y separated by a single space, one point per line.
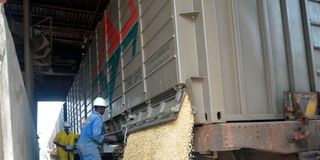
18 138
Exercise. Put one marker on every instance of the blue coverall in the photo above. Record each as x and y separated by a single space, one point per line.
91 137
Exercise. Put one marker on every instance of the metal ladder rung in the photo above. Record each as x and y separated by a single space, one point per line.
315 23
316 47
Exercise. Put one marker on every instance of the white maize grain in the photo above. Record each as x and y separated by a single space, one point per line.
170 141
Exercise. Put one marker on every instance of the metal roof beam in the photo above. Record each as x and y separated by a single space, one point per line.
63 29
54 22
70 41
37 5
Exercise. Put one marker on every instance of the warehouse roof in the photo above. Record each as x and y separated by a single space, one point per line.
68 25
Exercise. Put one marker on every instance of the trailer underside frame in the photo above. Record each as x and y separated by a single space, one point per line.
273 137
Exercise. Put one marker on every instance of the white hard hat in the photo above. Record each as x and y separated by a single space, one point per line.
99 101
67 124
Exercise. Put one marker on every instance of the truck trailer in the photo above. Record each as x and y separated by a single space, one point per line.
250 67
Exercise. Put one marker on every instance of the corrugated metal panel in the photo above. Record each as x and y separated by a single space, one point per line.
245 54
87 80
245 60
313 17
74 108
114 76
93 63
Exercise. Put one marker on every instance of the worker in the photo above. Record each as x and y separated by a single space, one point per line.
65 141
92 134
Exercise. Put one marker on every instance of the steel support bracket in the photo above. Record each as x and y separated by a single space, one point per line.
263 136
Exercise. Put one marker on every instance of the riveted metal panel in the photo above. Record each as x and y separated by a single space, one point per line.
92 51
145 6
296 47
132 66
252 57
116 81
116 93
135 95
238 57
314 10
113 12
132 79
117 107
164 36
157 16
279 60
129 57
315 35
317 65
124 12
153 10
311 21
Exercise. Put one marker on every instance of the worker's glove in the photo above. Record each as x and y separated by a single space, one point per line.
69 148
64 147
110 139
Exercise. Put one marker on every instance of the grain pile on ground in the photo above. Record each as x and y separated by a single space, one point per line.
171 141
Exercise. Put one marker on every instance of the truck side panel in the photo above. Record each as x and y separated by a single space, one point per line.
238 57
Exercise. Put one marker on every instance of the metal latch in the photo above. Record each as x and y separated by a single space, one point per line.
108 148
299 136
318 72
157 111
125 134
